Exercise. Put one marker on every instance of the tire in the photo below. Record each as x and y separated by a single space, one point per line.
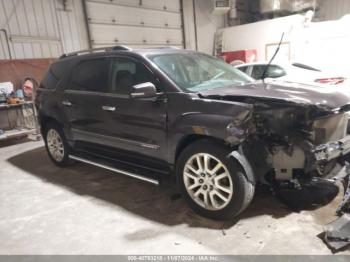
56 145
238 191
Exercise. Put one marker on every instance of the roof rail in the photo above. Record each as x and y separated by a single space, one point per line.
163 47
101 49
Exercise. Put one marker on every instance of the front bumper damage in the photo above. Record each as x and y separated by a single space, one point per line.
332 150
336 234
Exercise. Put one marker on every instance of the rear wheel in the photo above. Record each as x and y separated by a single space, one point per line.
214 185
56 145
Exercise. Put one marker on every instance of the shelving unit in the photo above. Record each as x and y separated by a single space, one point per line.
18 120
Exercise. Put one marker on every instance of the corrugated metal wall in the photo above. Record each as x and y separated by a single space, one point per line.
40 28
71 24
333 9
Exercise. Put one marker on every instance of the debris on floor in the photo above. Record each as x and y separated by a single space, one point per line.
337 233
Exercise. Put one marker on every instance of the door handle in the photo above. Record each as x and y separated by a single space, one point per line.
108 108
66 103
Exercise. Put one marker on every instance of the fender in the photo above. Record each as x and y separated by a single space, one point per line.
243 161
223 120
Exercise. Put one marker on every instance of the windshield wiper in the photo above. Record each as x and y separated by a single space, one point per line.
272 58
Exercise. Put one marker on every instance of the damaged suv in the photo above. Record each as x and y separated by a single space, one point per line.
153 112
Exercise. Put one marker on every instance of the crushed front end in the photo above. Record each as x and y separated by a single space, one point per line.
293 142
300 146
296 139
303 144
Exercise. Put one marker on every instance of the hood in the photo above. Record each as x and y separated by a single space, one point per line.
321 97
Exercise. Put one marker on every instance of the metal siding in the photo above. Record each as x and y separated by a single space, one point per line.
41 28
127 22
3 46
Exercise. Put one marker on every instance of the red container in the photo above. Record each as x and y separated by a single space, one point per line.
241 56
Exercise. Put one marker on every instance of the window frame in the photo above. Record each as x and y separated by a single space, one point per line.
109 93
75 68
277 67
254 67
156 79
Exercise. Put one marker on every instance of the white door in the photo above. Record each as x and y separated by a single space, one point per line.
135 23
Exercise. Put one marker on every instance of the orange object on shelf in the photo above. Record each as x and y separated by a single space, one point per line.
14 100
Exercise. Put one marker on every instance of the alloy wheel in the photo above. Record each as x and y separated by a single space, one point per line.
55 145
207 181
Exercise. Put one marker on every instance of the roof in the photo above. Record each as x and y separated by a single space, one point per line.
124 49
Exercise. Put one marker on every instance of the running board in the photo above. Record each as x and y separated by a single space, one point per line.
120 171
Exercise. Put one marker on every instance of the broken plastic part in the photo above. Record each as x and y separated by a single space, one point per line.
327 152
337 233
344 205
242 160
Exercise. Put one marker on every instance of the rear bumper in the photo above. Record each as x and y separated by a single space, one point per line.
332 150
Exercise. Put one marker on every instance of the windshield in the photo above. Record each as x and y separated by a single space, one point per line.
194 72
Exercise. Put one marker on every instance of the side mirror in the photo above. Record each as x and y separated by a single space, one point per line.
144 90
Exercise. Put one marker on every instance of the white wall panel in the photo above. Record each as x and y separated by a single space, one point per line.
201 24
138 23
165 5
41 28
3 45
189 25
114 14
141 36
207 25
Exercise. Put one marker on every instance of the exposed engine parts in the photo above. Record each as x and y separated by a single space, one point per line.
299 140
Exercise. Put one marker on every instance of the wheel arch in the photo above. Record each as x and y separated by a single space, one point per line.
191 138
44 120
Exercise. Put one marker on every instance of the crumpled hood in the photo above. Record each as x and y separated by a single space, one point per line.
323 97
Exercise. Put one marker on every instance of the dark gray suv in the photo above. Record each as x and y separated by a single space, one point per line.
156 112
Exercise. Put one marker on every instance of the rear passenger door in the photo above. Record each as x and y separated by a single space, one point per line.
84 97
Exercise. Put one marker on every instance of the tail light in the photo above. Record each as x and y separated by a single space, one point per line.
331 80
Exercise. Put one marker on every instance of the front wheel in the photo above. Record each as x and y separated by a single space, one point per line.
213 185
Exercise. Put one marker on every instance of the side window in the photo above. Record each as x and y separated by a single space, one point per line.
91 75
244 69
258 71
126 73
275 71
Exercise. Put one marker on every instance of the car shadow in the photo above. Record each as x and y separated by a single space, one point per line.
160 204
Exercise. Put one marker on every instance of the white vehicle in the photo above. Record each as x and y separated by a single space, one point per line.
295 72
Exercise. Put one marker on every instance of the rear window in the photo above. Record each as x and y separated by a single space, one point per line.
50 80
244 69
273 71
53 75
57 69
91 75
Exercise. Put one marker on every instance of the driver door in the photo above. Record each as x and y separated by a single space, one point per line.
132 125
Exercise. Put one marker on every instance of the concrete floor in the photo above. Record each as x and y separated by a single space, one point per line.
87 210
